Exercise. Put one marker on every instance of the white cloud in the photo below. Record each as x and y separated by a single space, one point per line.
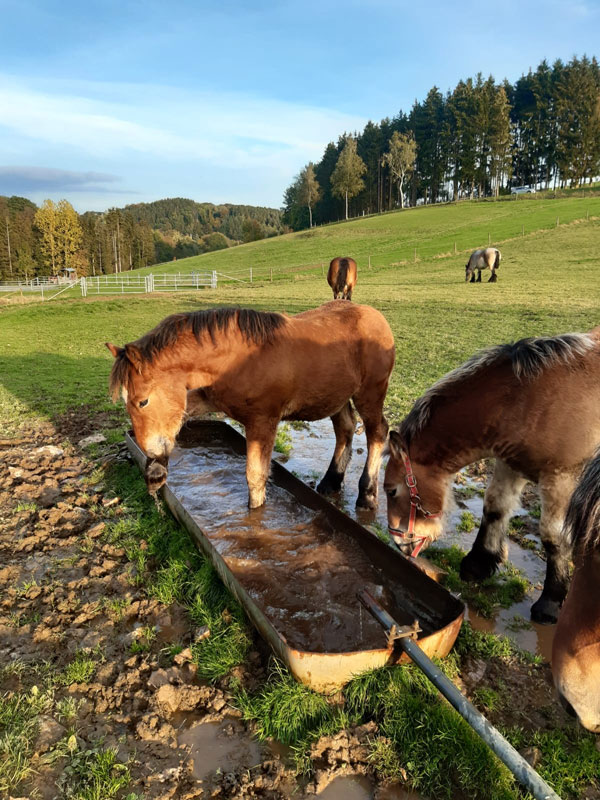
116 121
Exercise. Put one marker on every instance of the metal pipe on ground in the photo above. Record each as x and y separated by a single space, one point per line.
404 637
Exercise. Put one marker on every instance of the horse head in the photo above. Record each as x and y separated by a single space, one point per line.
155 400
576 645
415 499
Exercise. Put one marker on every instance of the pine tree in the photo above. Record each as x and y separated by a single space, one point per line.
346 179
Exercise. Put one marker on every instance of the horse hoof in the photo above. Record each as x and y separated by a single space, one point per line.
478 566
330 485
367 502
156 476
544 611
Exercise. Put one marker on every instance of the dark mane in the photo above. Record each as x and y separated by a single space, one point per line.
582 522
256 326
528 358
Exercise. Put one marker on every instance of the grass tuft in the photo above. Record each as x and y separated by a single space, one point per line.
502 590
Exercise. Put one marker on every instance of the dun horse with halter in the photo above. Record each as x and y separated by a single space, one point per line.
576 646
342 277
533 405
489 258
260 368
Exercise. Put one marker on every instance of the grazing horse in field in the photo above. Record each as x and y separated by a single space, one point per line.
341 276
533 405
489 258
260 368
576 646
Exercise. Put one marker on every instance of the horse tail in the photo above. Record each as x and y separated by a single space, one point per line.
582 521
497 261
342 274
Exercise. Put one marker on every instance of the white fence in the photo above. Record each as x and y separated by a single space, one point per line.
144 284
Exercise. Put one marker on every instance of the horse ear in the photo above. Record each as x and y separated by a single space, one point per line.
116 351
397 445
134 356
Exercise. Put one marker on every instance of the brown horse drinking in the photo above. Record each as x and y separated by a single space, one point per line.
342 277
488 258
576 646
533 405
260 368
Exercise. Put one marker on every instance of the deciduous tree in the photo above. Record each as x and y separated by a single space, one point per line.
346 179
400 158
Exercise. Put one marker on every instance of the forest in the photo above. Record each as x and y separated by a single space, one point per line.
478 140
53 238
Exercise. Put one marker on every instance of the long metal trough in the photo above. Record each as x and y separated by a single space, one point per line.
206 492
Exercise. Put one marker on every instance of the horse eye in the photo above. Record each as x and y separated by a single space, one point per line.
143 403
390 492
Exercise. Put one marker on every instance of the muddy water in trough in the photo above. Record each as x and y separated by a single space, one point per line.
303 574
312 448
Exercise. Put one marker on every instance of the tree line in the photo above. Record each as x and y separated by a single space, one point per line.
478 140
53 238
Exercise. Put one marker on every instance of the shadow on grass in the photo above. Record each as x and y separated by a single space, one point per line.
71 392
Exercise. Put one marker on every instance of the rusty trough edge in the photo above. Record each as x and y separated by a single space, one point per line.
323 672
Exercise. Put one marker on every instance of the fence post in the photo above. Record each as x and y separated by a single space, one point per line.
213 282
42 291
83 287
250 274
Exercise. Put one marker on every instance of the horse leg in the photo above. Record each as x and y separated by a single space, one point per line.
344 423
369 404
479 276
472 277
490 548
260 438
555 491
493 277
349 294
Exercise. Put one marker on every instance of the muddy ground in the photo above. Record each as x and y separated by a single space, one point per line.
68 595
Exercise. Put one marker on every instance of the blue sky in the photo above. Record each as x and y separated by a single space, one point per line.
108 103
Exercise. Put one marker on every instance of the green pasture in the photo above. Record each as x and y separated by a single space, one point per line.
52 354
393 237
53 362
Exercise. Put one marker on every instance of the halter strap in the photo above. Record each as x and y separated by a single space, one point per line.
401 537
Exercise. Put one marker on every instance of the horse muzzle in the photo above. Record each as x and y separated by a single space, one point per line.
156 473
408 543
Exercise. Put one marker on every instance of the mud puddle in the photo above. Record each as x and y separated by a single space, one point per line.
312 448
300 571
359 787
222 746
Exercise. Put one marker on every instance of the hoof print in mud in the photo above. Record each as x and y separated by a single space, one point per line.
478 566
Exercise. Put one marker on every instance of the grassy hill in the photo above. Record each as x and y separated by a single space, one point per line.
392 238
548 283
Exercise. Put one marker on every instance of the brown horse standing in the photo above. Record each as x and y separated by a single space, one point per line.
533 405
342 277
260 368
488 258
576 646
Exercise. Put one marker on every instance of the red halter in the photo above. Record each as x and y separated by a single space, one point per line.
407 537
